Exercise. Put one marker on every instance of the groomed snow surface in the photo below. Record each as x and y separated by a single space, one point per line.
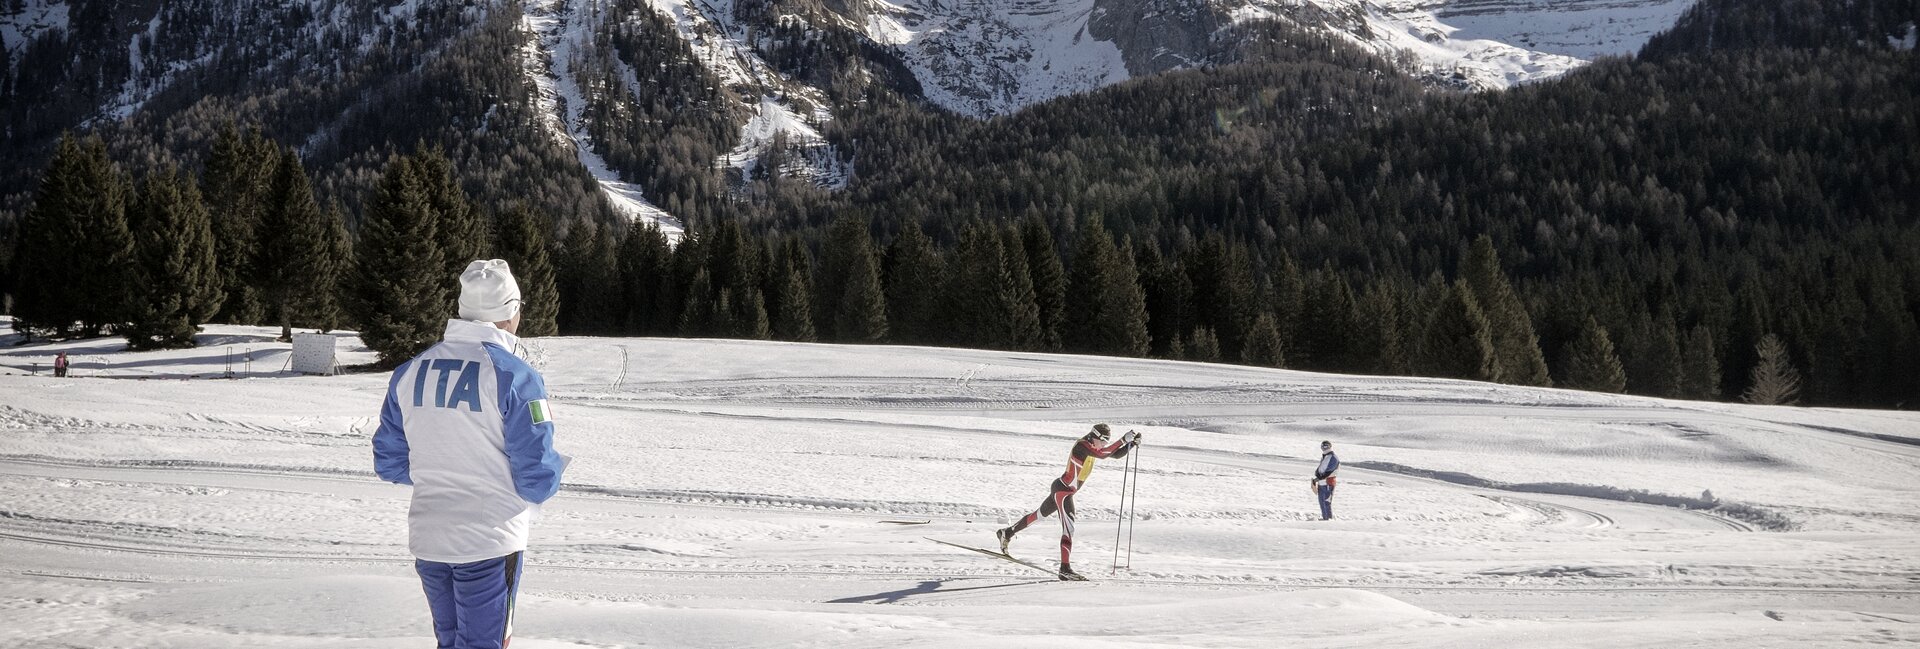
737 494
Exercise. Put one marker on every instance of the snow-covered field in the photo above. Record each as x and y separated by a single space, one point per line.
737 494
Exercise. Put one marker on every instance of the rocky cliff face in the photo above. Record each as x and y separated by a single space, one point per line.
1157 35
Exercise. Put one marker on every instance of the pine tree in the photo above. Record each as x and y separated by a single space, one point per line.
462 232
1288 295
1774 381
732 260
177 284
793 319
1106 309
1457 342
689 302
1263 343
1022 303
645 260
1168 296
1518 359
1700 366
913 278
1328 321
75 256
830 275
399 299
1048 277
591 300
1127 303
240 171
753 320
328 309
522 241
1381 337
724 324
975 296
1591 363
293 247
860 307
1664 362
1223 290
696 318
1205 347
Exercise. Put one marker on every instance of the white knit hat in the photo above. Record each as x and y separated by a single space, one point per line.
488 292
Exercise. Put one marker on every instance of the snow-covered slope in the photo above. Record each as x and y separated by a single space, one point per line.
1490 44
986 57
563 29
555 28
35 17
1582 29
733 494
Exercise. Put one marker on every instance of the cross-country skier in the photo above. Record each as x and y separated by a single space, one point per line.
466 423
1323 480
1079 465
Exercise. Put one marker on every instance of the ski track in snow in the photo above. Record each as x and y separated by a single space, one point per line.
730 493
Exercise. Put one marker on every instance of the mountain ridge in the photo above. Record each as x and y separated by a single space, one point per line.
112 66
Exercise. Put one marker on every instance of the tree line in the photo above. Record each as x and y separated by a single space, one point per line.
247 242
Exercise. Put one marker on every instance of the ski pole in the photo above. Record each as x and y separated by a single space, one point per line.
1126 470
1136 505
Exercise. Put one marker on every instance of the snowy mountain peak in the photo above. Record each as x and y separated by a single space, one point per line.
988 57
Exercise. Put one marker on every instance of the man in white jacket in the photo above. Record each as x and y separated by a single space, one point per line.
466 424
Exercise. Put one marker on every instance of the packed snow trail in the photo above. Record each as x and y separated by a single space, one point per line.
730 493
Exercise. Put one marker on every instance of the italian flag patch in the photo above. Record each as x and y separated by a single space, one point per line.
541 414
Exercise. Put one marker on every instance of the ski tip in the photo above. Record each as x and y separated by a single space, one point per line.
908 522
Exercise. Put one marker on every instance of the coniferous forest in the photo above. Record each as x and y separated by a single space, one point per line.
1733 214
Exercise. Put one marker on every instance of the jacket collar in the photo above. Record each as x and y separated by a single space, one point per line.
474 331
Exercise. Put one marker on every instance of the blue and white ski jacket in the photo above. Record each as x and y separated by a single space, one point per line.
466 423
1329 463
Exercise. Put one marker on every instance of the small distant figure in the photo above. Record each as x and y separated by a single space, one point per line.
1323 480
60 365
1059 501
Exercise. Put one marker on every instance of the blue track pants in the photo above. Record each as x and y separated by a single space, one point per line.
472 603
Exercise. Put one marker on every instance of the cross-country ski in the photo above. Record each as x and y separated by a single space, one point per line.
1063 576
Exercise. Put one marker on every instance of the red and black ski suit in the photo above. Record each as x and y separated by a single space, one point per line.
1079 466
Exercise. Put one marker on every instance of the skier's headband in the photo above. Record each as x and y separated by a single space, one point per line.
1326 445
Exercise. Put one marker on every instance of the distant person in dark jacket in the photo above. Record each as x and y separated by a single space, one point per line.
60 365
1323 480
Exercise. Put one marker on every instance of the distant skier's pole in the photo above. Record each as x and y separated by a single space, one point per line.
1136 505
1126 471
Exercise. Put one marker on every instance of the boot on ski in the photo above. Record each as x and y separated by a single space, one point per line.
1067 574
1005 534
